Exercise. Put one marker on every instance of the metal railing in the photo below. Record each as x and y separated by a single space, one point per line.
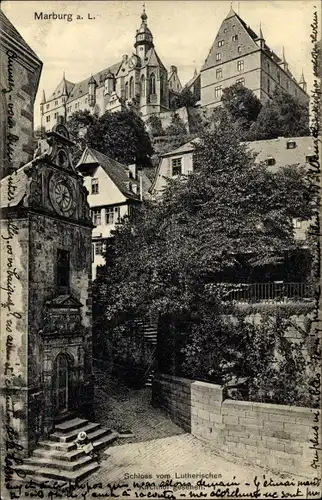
257 292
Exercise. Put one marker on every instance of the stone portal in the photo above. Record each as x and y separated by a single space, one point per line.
46 275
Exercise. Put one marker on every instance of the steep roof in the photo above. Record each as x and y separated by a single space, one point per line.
152 59
192 80
81 88
231 25
61 89
117 172
8 28
185 148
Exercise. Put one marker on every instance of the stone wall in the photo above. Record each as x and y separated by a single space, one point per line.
275 436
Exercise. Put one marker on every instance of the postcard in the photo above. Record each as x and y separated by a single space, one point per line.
160 249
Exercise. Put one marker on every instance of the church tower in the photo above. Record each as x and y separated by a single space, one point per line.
143 38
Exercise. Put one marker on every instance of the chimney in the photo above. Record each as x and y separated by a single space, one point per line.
132 171
125 58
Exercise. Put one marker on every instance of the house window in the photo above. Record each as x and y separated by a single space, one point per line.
219 73
241 81
94 185
152 83
176 166
56 103
218 92
225 30
112 215
221 43
298 224
239 48
98 246
47 106
218 56
268 85
48 118
55 115
62 270
240 66
290 145
235 38
96 216
270 162
127 90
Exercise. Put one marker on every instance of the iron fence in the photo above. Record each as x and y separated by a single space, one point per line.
255 292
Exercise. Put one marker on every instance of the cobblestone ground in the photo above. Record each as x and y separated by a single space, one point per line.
123 409
161 454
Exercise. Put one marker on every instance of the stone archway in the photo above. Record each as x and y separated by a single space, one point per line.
62 383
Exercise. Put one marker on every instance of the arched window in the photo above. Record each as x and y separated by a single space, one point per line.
131 87
127 90
143 86
152 83
161 86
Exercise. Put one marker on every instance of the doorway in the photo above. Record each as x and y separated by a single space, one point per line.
61 382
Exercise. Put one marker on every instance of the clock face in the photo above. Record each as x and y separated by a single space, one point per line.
62 195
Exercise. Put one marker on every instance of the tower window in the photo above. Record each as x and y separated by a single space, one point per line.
62 270
176 166
218 56
152 83
219 73
48 118
239 48
290 145
268 85
221 43
241 81
240 66
218 92
94 185
235 38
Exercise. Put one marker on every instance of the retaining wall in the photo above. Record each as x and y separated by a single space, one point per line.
275 436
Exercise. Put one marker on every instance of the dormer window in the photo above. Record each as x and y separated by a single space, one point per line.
221 43
219 73
176 166
235 38
290 145
94 186
270 162
218 56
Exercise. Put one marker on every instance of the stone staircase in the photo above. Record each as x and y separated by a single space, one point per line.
150 333
57 458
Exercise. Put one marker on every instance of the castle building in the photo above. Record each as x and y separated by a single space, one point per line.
239 55
139 82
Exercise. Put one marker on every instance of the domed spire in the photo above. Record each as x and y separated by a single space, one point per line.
143 37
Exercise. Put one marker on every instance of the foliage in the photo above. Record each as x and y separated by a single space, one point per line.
120 135
155 125
253 361
186 99
230 214
283 116
241 104
176 127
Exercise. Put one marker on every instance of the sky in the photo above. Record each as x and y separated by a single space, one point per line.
183 33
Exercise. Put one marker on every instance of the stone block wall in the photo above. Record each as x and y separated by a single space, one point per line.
276 436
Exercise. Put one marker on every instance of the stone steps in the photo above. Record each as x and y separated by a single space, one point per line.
58 459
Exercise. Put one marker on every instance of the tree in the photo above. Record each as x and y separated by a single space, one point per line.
283 116
120 135
78 125
155 126
241 103
186 99
230 213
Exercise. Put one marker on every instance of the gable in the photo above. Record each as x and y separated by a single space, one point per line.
230 27
108 193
